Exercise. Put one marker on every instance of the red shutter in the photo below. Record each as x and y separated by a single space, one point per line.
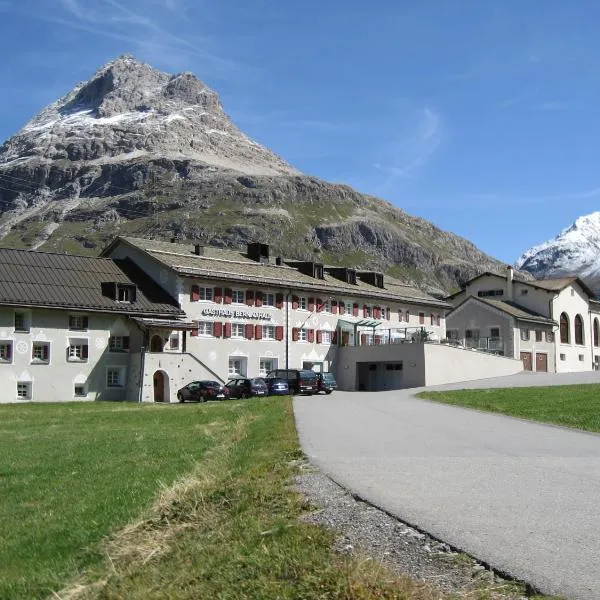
249 331
194 332
259 299
334 337
319 305
195 293
227 332
250 298
218 329
295 334
363 339
295 302
279 301
279 333
355 309
311 335
378 315
218 295
84 351
319 336
228 294
311 304
364 310
334 307
342 308
258 332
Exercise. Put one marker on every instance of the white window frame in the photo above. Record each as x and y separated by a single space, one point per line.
302 303
26 321
236 328
327 306
206 294
303 334
326 336
75 348
269 299
522 333
120 380
117 346
232 367
206 328
262 370
238 296
27 389
37 360
268 332
6 344
74 321
81 385
124 294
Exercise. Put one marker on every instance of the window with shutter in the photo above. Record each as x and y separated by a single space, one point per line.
195 293
311 335
311 304
295 334
228 295
355 309
249 331
279 301
279 333
227 330
365 311
218 329
5 351
334 337
341 305
421 318
40 352
319 305
218 295
258 332
259 299
250 298
319 336
295 302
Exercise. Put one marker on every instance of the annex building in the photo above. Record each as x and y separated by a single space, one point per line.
149 316
551 325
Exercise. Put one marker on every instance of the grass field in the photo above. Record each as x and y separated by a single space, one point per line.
576 406
147 501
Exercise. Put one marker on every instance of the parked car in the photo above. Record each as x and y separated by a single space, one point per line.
277 386
300 381
242 387
326 382
201 391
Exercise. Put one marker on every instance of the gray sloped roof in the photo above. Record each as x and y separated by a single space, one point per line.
235 266
513 309
50 280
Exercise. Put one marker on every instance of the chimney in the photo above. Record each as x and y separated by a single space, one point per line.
258 252
279 261
199 250
509 283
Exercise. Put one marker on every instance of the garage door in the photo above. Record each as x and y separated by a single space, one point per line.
541 363
526 358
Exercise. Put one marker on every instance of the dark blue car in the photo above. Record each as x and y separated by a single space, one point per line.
277 386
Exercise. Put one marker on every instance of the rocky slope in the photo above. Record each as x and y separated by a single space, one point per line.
137 151
575 251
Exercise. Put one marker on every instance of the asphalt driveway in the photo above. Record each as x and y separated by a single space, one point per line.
520 496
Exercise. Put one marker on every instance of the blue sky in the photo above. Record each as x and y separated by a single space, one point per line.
480 116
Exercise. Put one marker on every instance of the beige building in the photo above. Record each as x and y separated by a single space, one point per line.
550 325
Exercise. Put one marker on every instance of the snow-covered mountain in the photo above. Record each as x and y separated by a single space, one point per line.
575 251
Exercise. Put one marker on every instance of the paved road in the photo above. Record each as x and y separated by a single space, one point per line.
520 496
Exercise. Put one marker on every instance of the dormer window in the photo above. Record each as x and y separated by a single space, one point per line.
125 293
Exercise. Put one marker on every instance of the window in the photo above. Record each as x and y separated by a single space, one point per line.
118 343
78 350
302 303
327 306
494 332
21 322
24 390
40 352
368 311
596 327
201 293
125 293
115 377
581 358
393 367
407 316
174 341
524 334
78 322
302 335
237 330
452 334
268 332
549 336
5 352
238 297
438 320
79 390
432 317
237 366
524 292
421 318
269 300
563 357
400 315
265 365
488 293
538 335
206 328
564 328
578 330
326 337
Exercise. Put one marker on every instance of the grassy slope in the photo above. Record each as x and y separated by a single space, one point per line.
575 406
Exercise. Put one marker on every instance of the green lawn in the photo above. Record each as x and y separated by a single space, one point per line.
186 501
576 406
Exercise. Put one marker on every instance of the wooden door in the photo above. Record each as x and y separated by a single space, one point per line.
541 362
526 358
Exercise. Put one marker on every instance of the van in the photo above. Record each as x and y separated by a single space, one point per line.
300 381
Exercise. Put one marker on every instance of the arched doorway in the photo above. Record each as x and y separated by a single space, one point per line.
156 344
161 387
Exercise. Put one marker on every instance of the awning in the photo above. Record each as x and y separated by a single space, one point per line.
172 324
362 322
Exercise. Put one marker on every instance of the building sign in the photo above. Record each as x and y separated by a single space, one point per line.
236 314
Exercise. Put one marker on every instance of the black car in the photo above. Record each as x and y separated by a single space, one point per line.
326 382
201 391
300 381
245 388
277 386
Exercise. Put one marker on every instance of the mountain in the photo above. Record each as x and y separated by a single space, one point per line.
135 151
575 251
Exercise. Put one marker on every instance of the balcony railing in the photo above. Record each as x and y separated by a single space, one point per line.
494 345
395 336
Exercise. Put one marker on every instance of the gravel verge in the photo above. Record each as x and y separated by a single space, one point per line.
364 530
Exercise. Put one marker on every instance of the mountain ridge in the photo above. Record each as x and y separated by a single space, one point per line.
139 152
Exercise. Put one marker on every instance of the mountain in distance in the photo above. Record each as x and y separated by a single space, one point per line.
575 251
135 151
